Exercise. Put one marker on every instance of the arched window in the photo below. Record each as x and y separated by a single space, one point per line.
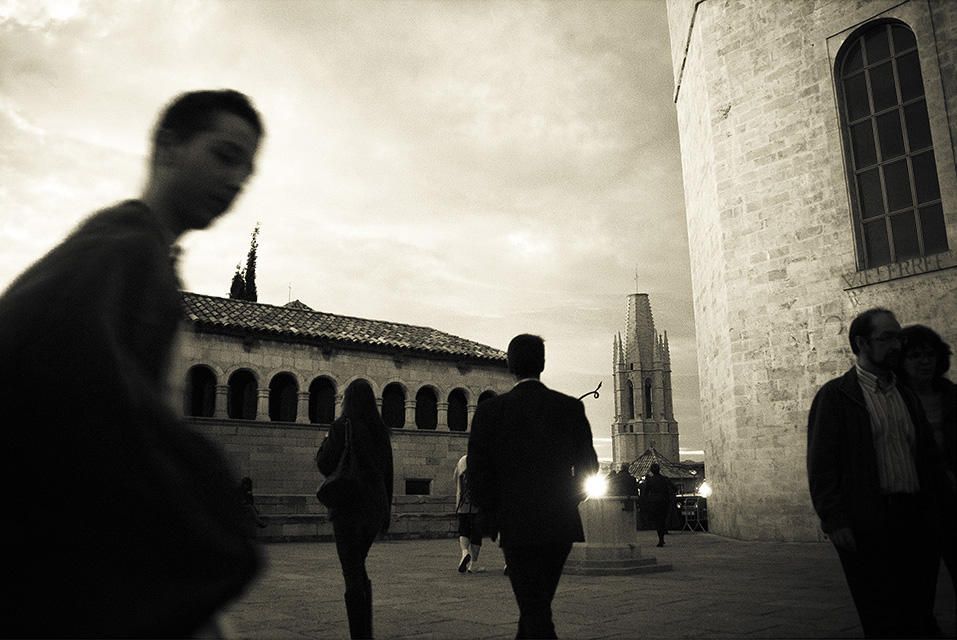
888 148
485 395
648 412
393 405
322 401
426 409
629 400
283 398
458 411
241 399
200 400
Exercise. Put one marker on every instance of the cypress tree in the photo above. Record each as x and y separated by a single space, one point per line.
250 289
237 290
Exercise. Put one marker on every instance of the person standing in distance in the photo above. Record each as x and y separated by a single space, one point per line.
469 520
657 498
129 520
529 453
871 465
356 525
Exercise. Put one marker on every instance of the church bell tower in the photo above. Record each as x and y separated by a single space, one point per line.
644 416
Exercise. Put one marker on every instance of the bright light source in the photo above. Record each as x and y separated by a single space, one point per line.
596 486
704 490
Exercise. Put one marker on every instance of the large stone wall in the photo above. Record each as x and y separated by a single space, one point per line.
278 456
773 262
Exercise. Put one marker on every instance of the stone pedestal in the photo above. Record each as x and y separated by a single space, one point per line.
611 541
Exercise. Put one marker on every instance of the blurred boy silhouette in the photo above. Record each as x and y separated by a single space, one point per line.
127 521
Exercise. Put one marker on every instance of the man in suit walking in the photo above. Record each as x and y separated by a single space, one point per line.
529 453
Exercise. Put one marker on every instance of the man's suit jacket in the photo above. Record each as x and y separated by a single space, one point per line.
524 447
841 460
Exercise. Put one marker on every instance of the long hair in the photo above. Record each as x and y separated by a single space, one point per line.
359 405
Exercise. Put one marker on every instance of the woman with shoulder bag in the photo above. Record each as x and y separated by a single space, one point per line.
359 517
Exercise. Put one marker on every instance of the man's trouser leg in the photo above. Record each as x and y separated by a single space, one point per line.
891 575
534 572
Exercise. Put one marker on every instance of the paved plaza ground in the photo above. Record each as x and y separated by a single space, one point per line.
718 588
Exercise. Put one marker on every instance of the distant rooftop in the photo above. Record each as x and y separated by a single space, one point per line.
296 320
642 464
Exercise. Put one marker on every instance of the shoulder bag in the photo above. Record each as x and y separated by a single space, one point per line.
341 487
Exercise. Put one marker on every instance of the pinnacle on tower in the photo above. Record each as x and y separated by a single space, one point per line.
614 352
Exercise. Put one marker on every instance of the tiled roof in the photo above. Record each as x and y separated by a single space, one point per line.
299 321
639 468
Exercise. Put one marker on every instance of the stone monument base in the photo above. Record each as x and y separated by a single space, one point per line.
611 541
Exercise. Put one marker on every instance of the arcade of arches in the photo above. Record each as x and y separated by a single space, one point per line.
241 397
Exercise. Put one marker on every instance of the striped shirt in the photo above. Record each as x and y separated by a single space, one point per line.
893 433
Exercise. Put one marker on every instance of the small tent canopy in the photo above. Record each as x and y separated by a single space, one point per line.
674 471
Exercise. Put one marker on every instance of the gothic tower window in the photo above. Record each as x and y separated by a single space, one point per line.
393 405
283 398
892 172
322 401
629 400
458 411
426 409
648 397
200 400
241 398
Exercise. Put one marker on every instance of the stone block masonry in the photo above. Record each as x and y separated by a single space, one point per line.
773 251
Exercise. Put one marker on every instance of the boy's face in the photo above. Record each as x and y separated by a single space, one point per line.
208 171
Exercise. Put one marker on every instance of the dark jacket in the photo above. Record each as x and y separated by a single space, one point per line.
948 421
129 520
657 491
374 453
841 461
523 450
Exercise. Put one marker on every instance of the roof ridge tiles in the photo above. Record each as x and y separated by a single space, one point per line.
307 322
315 311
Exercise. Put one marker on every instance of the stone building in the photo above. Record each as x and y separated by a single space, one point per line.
817 143
644 415
265 382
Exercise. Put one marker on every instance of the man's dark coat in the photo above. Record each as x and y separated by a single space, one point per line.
522 451
841 461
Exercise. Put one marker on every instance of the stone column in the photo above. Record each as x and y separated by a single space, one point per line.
410 414
338 405
443 416
222 398
262 405
302 412
469 414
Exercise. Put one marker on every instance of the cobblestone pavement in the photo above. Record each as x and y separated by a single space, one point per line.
719 588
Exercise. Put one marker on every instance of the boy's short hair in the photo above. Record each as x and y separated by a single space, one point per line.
526 355
190 113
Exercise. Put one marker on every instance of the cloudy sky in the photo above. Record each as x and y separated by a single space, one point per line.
483 168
